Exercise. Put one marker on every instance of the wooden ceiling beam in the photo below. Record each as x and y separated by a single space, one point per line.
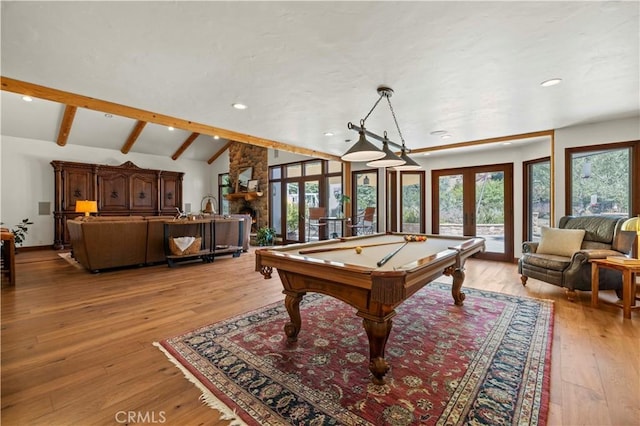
192 137
68 98
65 125
219 153
133 137
509 138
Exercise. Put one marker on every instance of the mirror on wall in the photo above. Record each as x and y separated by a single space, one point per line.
244 177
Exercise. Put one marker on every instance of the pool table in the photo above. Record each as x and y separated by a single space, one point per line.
347 269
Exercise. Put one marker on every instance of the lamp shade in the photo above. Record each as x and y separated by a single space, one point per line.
363 150
389 160
409 163
86 207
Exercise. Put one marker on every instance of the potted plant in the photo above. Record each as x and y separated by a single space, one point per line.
265 236
20 231
342 199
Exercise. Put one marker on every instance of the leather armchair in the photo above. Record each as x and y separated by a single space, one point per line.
603 237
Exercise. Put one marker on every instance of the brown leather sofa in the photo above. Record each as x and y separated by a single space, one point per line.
603 237
105 242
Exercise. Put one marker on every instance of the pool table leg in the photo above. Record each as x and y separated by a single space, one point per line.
292 303
378 333
458 279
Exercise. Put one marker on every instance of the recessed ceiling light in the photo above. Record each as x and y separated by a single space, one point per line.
239 106
170 128
447 136
551 82
506 143
438 132
216 137
27 98
426 153
328 134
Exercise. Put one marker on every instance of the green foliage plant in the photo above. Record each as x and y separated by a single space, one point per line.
265 236
20 231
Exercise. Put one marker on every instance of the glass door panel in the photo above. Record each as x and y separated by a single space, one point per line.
412 204
366 195
311 199
450 206
537 198
276 206
489 210
292 213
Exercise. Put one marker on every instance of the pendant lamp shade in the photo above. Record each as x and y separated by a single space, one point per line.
389 160
363 150
409 164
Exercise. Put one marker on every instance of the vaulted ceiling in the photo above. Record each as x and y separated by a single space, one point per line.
304 69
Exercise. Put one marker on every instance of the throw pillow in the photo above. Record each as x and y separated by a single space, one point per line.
561 242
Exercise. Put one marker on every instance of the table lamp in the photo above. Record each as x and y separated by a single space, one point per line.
86 207
633 224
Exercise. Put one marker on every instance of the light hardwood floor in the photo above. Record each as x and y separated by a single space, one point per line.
77 347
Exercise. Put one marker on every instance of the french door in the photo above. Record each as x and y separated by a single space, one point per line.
300 196
476 201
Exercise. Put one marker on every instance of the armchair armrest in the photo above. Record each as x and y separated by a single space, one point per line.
529 247
572 273
583 256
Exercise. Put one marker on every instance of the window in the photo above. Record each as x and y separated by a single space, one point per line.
412 202
295 187
537 197
224 188
601 180
365 188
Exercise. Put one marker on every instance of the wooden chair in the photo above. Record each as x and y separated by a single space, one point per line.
364 222
8 256
314 221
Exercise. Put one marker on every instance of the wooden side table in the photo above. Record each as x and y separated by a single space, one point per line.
628 283
8 254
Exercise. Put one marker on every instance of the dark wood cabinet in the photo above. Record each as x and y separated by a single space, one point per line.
170 193
119 190
113 192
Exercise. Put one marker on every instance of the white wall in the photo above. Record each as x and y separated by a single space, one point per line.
27 178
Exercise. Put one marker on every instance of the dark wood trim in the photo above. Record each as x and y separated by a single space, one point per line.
392 200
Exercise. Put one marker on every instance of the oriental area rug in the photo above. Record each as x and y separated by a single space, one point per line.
484 363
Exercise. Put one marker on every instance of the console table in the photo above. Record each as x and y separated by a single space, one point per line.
206 230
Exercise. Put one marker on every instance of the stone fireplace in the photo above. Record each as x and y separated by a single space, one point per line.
241 157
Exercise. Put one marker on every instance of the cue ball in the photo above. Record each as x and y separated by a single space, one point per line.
358 250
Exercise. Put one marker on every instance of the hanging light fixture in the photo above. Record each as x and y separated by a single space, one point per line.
409 163
385 157
389 159
363 150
